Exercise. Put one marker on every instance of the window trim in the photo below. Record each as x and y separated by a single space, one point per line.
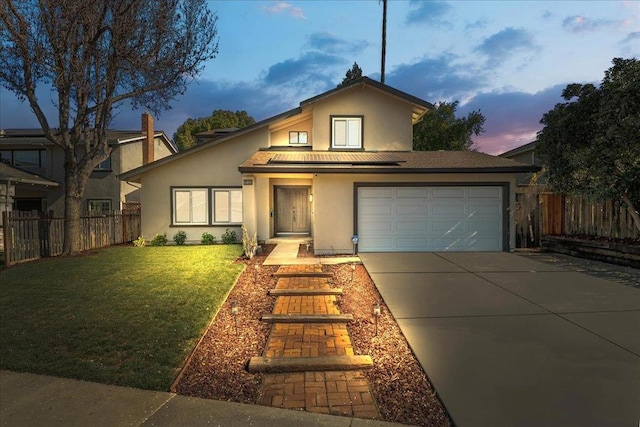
297 134
210 206
347 118
207 205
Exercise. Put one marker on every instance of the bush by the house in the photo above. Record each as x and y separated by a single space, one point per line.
229 237
159 240
208 239
140 242
180 237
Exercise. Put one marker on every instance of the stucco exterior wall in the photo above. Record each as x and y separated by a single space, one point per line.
280 137
387 120
215 166
334 203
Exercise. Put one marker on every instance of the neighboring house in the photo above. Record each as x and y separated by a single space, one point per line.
525 154
30 152
341 164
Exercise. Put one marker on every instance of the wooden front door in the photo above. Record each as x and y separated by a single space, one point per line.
292 211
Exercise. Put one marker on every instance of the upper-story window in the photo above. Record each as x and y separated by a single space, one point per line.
297 138
105 165
346 132
25 158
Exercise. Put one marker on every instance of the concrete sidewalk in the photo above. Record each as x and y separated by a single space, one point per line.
509 341
286 253
38 400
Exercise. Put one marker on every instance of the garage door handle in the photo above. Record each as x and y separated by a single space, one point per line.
294 214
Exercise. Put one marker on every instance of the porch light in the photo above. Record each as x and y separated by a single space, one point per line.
376 315
310 198
234 313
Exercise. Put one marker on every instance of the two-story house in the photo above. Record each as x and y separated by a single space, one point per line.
28 153
339 165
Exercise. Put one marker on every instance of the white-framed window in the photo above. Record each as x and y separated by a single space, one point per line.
227 205
190 206
99 205
298 137
346 132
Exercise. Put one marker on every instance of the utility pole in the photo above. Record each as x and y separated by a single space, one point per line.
384 39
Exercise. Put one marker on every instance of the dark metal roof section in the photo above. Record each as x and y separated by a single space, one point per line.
309 158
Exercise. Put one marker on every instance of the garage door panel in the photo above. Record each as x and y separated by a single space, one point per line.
484 192
376 227
412 244
379 210
447 210
412 193
411 210
448 192
430 218
376 192
412 227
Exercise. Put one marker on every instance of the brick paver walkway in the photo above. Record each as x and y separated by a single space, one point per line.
345 392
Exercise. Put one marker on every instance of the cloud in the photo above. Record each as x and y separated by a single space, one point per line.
327 42
283 7
580 24
513 118
504 44
311 64
429 12
631 37
437 79
479 24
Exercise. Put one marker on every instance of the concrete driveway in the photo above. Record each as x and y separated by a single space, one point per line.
509 341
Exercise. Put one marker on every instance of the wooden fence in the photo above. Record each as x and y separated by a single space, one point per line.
33 235
543 214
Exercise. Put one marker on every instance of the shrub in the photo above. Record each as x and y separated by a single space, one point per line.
229 237
207 239
180 237
140 242
159 240
249 245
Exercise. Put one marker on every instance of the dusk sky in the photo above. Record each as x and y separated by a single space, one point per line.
509 59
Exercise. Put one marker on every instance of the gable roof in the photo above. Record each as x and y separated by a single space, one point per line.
519 150
114 137
420 107
383 162
16 175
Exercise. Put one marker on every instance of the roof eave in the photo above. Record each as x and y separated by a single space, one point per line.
354 169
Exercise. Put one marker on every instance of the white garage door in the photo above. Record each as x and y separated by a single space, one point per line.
406 219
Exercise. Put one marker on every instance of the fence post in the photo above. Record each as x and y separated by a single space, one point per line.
6 237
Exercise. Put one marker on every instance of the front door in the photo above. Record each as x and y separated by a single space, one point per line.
292 212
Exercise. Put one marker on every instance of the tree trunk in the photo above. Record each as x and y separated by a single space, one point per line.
75 182
632 210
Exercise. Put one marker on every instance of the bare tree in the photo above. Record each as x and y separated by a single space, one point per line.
95 55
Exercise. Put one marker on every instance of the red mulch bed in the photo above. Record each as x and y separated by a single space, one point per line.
216 369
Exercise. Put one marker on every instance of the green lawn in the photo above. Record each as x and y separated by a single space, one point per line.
122 315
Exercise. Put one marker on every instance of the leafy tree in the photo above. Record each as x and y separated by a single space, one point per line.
185 136
590 144
440 129
353 74
95 55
